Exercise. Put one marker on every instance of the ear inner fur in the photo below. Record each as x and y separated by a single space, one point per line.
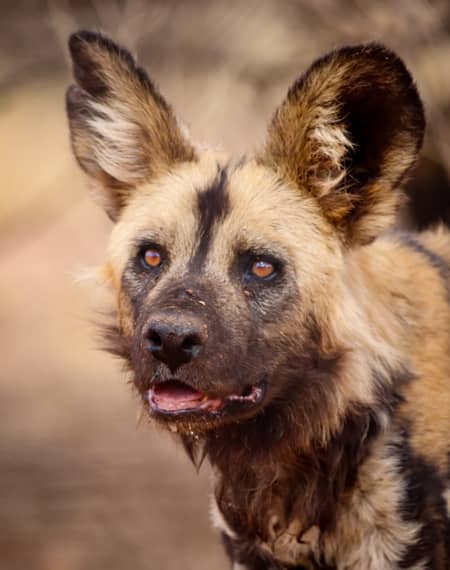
123 131
348 133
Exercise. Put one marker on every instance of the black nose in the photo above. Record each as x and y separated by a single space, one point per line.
175 340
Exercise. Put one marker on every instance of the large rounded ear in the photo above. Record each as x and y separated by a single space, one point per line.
348 133
123 132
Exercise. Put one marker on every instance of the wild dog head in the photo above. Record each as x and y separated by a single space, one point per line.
230 281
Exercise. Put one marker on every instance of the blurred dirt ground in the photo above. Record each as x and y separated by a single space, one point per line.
81 486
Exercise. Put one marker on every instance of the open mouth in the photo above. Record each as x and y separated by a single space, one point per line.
174 397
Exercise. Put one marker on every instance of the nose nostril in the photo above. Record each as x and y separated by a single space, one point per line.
173 341
190 343
154 339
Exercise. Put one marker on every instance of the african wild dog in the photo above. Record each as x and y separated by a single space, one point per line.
271 317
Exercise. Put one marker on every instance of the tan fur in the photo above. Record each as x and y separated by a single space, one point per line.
392 274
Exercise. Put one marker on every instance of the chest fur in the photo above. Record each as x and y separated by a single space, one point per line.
369 527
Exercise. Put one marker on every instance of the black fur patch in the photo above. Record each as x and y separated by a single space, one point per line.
244 553
424 503
213 206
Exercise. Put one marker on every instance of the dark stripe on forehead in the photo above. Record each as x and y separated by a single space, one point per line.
213 206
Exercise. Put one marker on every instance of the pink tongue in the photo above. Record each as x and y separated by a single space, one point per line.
173 394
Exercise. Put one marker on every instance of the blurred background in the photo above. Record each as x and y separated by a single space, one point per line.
82 486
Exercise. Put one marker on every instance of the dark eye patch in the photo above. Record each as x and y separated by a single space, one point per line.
268 295
250 263
150 258
139 277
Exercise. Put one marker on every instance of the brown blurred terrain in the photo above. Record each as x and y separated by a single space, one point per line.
81 486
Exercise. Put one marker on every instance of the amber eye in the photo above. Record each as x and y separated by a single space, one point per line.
262 269
151 257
